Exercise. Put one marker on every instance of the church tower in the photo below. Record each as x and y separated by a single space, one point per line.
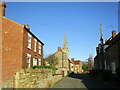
65 48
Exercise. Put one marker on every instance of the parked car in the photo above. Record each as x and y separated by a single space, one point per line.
87 71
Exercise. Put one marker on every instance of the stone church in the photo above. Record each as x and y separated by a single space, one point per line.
62 56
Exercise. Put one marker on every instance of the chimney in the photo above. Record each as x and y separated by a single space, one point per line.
106 40
97 50
72 59
113 34
59 49
26 26
3 6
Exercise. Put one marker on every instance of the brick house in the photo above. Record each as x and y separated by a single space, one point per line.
109 60
20 47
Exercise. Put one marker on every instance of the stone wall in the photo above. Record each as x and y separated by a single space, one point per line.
59 71
35 78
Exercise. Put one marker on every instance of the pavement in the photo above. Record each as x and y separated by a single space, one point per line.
79 81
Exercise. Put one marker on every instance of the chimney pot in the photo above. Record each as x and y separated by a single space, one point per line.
26 26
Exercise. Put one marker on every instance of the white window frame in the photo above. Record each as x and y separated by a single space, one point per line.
29 40
35 44
39 62
34 61
28 60
39 48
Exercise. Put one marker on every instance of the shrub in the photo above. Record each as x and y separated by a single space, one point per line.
48 67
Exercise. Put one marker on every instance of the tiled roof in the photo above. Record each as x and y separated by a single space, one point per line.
77 62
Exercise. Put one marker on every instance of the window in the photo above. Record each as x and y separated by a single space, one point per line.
100 65
35 41
39 62
39 48
108 67
113 67
28 60
29 41
34 61
105 65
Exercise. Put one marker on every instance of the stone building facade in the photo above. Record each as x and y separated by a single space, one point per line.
20 47
110 58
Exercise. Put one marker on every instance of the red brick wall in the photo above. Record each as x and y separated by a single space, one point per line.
30 51
14 50
12 43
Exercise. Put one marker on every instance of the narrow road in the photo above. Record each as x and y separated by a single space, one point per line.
79 81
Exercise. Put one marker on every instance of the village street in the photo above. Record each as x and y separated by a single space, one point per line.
79 81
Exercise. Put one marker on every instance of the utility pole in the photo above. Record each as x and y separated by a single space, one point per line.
102 46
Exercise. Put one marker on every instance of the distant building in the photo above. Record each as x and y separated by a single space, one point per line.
76 66
20 47
110 58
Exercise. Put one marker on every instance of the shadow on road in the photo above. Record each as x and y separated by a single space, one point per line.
88 81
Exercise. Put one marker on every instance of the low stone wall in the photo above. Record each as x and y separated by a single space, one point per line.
56 78
35 78
7 84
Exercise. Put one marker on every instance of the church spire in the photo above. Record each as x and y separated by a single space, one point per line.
65 47
65 40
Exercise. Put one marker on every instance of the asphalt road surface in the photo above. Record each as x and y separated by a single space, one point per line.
79 81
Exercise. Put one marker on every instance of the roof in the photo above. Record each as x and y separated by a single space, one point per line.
23 28
77 62
113 40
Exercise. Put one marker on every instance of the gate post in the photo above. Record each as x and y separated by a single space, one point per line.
62 73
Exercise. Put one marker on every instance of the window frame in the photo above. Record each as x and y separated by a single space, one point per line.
39 62
35 63
29 41
28 62
39 48
35 45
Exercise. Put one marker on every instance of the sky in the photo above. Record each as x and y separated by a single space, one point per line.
79 20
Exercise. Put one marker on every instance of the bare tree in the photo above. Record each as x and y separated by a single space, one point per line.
52 60
90 62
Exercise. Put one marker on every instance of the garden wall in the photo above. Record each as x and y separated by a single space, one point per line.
35 78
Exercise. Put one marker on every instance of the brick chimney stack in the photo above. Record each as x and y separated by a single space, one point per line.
113 33
3 6
97 50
